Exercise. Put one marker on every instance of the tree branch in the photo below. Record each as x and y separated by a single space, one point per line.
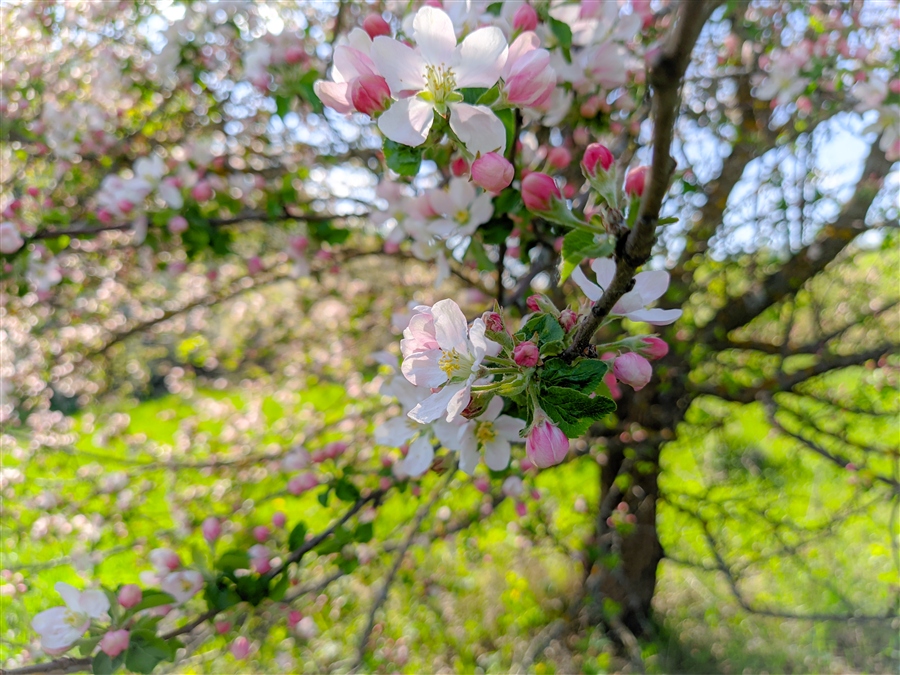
665 77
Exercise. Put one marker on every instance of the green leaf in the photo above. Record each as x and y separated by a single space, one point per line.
346 491
278 590
545 325
578 245
564 34
495 231
325 231
573 411
220 595
252 588
584 376
508 117
101 664
282 105
471 95
145 651
476 250
508 201
233 560
364 533
323 497
402 158
489 97
297 537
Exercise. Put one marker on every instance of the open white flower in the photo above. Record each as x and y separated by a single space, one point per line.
648 286
428 79
461 211
183 584
61 627
449 354
494 433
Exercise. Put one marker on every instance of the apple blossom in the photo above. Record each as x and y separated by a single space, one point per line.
648 286
528 78
493 322
10 239
493 172
568 319
61 627
512 486
164 560
440 350
261 533
546 445
279 519
633 369
494 433
182 585
114 642
129 595
178 224
370 94
428 79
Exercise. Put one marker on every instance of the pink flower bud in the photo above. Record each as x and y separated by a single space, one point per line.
294 617
526 464
104 216
654 348
493 172
614 390
302 482
526 354
33 191
165 560
459 167
546 445
114 642
568 191
568 319
521 509
240 648
211 529
130 595
223 627
538 192
525 18
125 206
370 94
384 483
635 181
279 519
375 25
597 157
202 191
493 321
178 224
260 533
633 369
559 158
482 485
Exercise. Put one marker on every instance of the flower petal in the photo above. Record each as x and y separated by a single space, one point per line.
468 454
590 289
449 433
605 269
496 454
435 406
94 603
658 317
419 458
395 432
459 401
435 36
509 428
450 326
651 285
401 65
351 63
335 95
408 121
423 369
493 410
478 127
482 56
526 42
